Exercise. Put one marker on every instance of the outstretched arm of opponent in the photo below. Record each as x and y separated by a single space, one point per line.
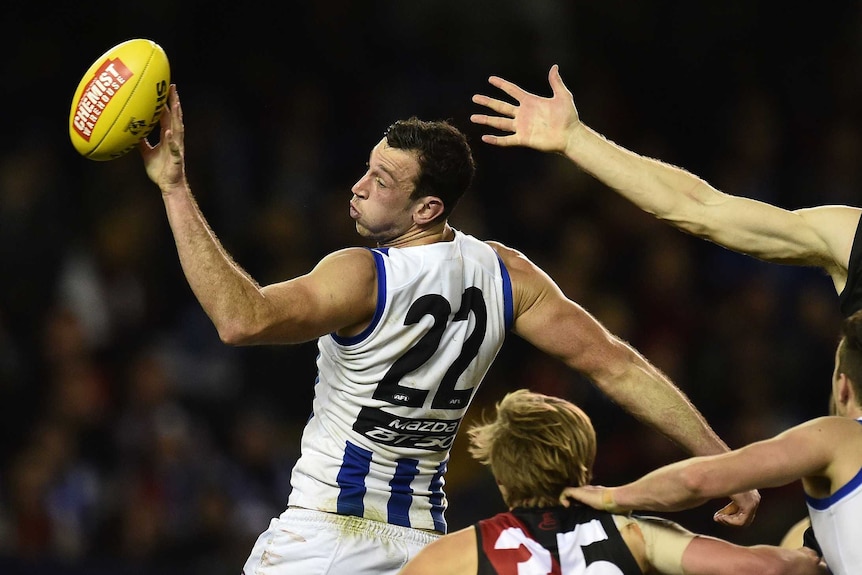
820 236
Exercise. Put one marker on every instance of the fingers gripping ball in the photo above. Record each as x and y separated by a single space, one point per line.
119 99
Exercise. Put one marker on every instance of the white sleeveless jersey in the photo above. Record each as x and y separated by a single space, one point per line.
389 401
837 524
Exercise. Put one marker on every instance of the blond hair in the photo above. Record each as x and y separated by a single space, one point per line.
535 446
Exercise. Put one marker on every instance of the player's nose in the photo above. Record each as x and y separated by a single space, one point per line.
360 187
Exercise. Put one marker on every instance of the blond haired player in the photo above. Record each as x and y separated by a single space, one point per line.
535 446
825 453
406 332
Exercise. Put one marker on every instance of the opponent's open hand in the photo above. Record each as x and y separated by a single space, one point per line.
543 124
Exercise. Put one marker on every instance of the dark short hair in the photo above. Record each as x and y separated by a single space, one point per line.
446 166
850 351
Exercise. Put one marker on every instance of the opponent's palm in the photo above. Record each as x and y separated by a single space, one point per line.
535 122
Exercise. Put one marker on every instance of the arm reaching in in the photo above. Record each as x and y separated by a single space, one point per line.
820 237
710 555
804 451
563 329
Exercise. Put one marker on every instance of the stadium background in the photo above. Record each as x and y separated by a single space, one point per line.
133 440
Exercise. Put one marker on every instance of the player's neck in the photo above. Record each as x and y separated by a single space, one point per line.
534 503
417 236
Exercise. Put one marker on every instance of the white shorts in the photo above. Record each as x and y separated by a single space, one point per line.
306 542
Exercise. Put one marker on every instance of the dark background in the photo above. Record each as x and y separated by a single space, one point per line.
133 440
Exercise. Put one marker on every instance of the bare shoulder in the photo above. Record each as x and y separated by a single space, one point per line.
828 427
455 553
841 435
514 259
520 268
821 435
338 295
348 275
530 284
828 446
353 259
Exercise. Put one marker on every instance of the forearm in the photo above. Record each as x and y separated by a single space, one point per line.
647 394
668 488
666 191
228 295
642 390
710 555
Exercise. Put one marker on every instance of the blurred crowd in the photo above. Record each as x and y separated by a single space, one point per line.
133 440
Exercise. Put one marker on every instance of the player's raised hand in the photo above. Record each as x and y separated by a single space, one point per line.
536 122
165 161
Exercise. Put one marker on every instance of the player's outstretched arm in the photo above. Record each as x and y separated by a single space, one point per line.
802 451
820 237
339 293
563 329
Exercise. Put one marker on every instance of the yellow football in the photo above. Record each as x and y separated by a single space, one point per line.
119 100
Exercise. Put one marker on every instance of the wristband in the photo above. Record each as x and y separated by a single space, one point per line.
608 502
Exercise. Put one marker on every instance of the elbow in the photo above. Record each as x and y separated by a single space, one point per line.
695 482
237 333
232 338
694 211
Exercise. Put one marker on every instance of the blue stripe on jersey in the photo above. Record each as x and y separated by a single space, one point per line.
843 491
508 301
381 304
314 394
437 497
398 508
351 480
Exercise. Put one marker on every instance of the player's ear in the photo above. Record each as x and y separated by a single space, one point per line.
428 209
844 393
849 391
